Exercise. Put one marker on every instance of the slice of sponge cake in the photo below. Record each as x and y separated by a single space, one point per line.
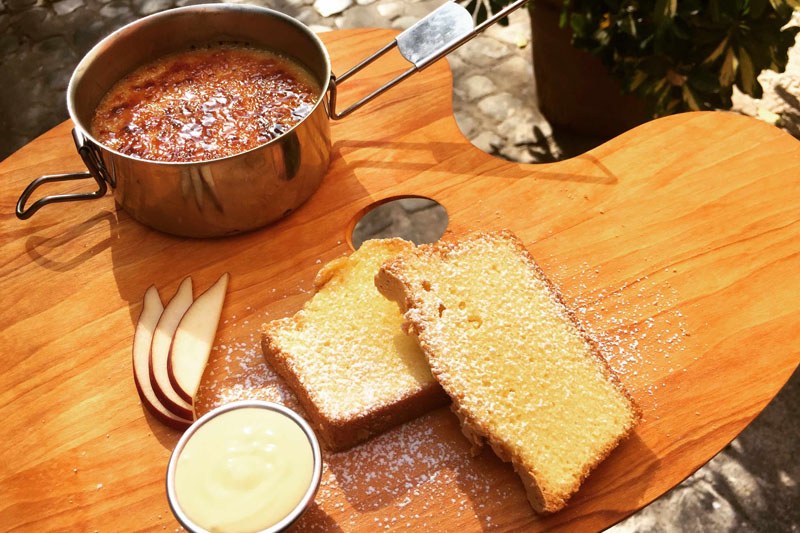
519 370
345 355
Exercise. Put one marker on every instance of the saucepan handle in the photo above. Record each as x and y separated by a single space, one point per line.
91 158
442 31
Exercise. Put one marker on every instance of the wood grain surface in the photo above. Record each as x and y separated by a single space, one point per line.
677 244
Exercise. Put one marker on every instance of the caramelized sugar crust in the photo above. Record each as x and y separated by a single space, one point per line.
204 104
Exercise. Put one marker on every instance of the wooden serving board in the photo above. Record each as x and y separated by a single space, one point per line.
677 244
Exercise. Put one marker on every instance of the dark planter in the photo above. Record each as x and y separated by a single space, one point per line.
575 91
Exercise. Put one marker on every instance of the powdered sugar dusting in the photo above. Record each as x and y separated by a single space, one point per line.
636 325
397 480
401 479
346 347
237 371
505 350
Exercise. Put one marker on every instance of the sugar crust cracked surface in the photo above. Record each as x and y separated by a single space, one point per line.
521 373
345 355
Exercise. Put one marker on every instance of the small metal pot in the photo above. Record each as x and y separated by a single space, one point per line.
253 188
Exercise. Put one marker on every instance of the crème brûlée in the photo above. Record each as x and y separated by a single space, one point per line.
204 104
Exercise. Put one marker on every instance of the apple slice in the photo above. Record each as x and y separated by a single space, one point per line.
193 339
142 339
159 351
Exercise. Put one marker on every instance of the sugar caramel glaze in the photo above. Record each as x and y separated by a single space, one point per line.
204 103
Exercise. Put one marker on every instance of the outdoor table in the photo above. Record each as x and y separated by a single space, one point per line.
677 244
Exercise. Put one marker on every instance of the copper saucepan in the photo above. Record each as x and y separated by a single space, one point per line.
253 188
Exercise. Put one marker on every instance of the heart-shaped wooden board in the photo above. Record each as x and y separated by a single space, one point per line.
677 244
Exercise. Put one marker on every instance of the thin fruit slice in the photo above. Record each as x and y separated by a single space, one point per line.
159 352
193 339
142 339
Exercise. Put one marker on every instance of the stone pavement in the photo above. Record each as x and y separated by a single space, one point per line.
752 485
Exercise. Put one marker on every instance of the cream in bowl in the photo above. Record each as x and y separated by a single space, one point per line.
248 466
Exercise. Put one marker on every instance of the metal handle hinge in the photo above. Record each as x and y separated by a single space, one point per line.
430 39
97 171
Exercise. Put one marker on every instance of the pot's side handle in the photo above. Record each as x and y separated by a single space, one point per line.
91 159
430 39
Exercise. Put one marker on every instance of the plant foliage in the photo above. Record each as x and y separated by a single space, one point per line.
681 55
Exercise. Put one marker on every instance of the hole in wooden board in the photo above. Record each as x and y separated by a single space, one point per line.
413 218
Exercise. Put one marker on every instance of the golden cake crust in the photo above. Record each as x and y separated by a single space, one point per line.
396 281
301 351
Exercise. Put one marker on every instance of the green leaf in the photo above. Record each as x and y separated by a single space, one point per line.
662 97
631 26
638 78
747 75
717 51
672 107
664 11
690 98
727 72
785 7
640 41
577 23
661 85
